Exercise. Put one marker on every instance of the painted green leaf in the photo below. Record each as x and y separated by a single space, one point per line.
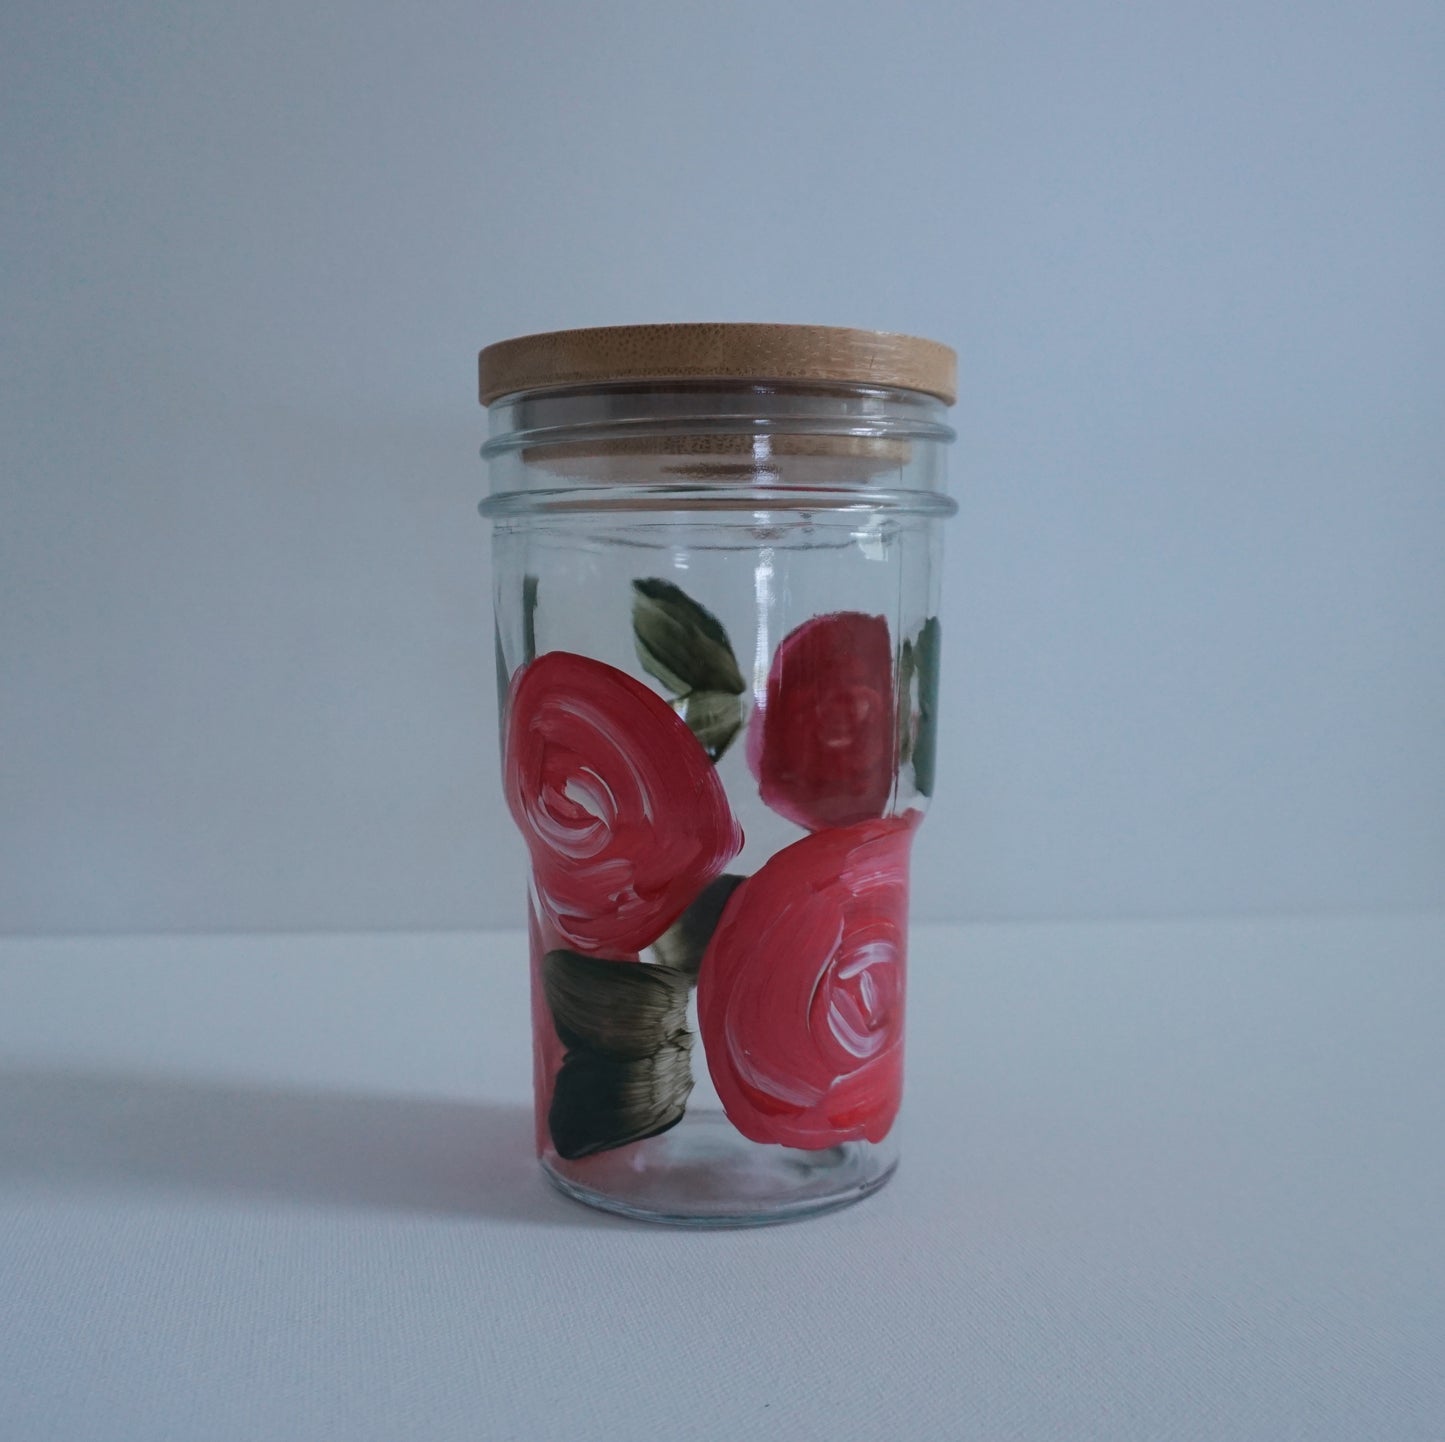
714 717
600 1102
681 643
628 1072
681 946
529 618
926 651
622 1008
504 679
906 672
529 644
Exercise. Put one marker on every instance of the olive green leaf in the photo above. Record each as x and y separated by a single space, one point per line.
529 644
681 643
906 672
529 618
622 1008
600 1102
627 1073
714 717
926 651
681 946
504 679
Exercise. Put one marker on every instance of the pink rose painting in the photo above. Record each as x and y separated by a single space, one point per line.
798 968
800 993
622 812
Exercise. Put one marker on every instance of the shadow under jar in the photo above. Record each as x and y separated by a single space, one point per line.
716 562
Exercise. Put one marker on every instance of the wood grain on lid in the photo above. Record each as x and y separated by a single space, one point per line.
810 354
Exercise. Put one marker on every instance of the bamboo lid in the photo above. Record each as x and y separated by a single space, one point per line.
812 354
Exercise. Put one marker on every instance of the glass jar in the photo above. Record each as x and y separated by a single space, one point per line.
716 567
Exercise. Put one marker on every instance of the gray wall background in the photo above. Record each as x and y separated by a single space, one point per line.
1191 256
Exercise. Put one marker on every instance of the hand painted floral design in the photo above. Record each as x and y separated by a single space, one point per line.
821 741
529 648
926 651
684 646
918 705
627 1071
683 943
623 814
800 994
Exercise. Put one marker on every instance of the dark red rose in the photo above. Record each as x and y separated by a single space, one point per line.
821 743
800 993
622 811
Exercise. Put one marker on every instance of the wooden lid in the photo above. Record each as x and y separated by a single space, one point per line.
814 354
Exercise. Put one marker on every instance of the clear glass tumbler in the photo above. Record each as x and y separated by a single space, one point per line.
716 563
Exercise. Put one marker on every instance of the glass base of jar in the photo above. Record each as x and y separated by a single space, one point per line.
704 1173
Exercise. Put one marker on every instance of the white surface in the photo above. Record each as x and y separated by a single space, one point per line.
1160 1181
1190 255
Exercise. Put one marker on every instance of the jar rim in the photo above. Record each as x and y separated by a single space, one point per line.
727 352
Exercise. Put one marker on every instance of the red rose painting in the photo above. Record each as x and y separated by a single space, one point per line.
622 811
821 741
800 992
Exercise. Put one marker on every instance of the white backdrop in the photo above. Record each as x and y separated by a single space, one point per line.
1190 255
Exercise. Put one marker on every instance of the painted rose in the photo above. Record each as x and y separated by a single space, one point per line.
622 812
800 993
821 742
